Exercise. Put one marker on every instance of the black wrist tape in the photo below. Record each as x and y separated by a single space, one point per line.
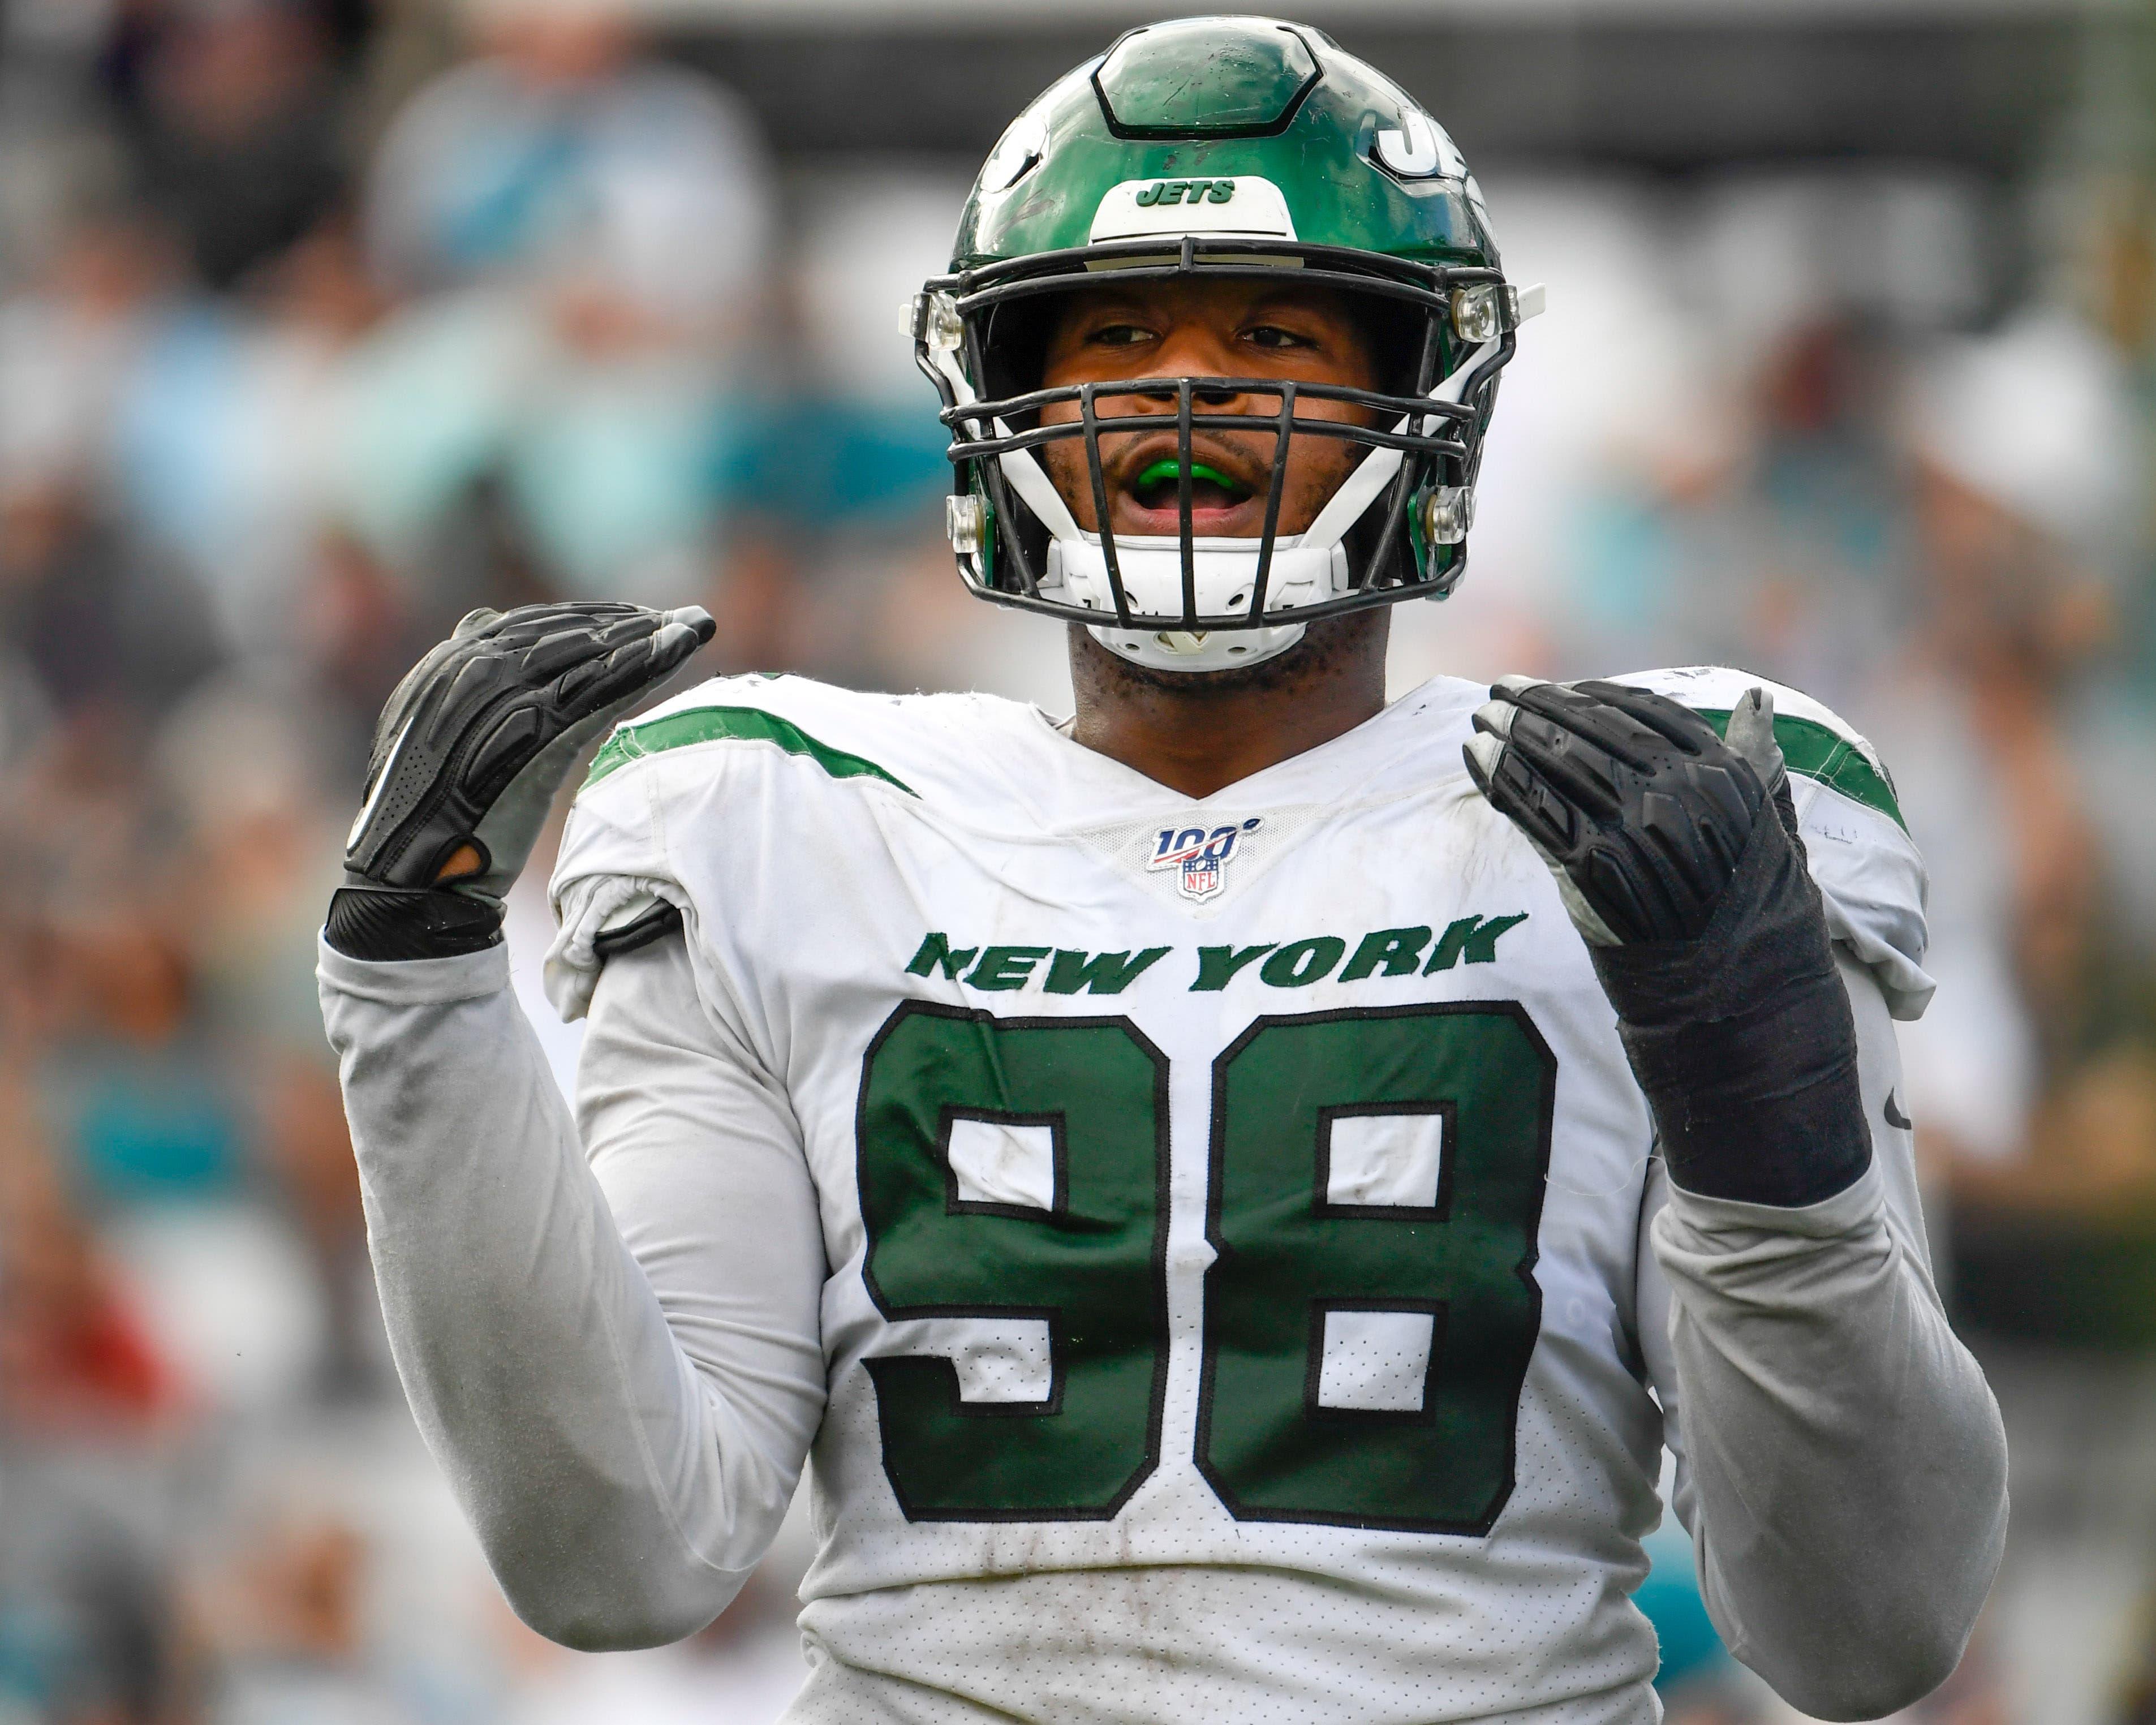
387 923
1743 1040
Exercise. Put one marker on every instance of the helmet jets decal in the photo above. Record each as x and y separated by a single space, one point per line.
1226 149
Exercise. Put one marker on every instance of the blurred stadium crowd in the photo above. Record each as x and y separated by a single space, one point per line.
322 322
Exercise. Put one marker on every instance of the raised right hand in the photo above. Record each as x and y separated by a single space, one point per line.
468 755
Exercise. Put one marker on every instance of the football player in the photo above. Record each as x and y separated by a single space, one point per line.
1235 1189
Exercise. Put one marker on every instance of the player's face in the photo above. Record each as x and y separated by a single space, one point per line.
1238 329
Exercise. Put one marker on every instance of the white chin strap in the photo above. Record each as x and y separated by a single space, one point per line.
1307 567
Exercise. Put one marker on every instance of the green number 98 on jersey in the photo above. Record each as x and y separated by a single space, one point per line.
1315 1295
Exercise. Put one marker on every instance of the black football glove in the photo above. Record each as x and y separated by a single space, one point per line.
1677 857
469 753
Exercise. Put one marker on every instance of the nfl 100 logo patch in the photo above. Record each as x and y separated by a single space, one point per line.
1199 855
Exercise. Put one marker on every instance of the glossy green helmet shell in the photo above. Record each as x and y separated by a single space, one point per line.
1228 147
1211 97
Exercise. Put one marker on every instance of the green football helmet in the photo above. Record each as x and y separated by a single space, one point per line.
1220 148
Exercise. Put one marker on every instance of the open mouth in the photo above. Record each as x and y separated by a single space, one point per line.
1220 504
1210 489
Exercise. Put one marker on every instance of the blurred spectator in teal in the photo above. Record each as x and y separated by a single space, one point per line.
1785 552
558 152
231 441
582 235
180 428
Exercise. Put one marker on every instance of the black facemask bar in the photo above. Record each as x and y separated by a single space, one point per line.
1440 441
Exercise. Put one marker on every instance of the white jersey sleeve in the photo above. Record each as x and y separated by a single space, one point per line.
616 1362
1840 1462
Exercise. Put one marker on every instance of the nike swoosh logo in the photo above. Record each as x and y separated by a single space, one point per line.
380 784
1895 1116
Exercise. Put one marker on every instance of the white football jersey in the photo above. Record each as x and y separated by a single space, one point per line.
1232 1207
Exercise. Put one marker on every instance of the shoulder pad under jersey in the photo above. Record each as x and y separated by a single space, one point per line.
1868 869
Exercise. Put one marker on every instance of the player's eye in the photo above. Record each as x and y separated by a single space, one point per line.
1121 334
1271 335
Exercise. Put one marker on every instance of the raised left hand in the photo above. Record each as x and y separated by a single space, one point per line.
1677 854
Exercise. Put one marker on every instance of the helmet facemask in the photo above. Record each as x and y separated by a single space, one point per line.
1394 528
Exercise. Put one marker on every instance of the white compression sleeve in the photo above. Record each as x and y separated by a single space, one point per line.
616 1363
1841 1464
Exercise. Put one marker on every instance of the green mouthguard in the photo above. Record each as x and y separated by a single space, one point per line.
1167 470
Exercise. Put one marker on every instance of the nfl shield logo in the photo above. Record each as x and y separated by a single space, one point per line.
1199 855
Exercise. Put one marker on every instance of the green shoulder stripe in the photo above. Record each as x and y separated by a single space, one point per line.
748 724
1819 752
